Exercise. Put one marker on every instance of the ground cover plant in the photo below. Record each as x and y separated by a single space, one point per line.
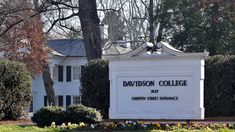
142 126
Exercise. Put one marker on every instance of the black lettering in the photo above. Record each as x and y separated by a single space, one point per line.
152 98
125 84
185 83
168 98
154 91
177 83
166 83
137 83
130 83
173 83
151 83
138 98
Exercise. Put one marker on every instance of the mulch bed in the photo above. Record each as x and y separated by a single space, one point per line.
16 122
220 119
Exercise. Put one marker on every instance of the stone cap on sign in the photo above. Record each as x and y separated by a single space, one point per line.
164 50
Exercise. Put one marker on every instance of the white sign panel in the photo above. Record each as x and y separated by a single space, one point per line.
156 97
154 94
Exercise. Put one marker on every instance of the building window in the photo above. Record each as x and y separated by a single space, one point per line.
76 99
45 101
76 72
68 73
60 100
58 73
55 72
68 100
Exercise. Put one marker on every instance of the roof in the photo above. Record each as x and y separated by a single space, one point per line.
67 47
164 50
116 48
76 48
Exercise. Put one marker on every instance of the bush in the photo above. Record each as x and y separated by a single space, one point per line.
1 113
46 115
95 85
15 89
80 113
74 114
220 86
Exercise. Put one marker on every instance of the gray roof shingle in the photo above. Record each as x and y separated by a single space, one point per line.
68 47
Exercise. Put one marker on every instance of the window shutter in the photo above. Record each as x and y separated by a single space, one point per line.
68 100
45 101
60 73
60 101
68 73
82 69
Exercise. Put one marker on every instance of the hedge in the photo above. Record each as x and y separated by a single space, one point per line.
15 89
220 86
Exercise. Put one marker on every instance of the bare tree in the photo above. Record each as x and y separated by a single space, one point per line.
137 18
116 27
90 28
61 10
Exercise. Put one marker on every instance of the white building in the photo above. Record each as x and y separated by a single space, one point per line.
66 60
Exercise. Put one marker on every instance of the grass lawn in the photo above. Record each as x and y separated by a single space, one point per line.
16 128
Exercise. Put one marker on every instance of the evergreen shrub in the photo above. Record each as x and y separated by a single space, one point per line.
15 89
95 85
46 115
80 113
74 114
220 86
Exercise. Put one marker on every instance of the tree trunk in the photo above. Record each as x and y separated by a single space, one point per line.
159 36
46 75
48 84
90 28
151 22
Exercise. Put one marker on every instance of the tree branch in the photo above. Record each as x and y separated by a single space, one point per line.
61 19
18 22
